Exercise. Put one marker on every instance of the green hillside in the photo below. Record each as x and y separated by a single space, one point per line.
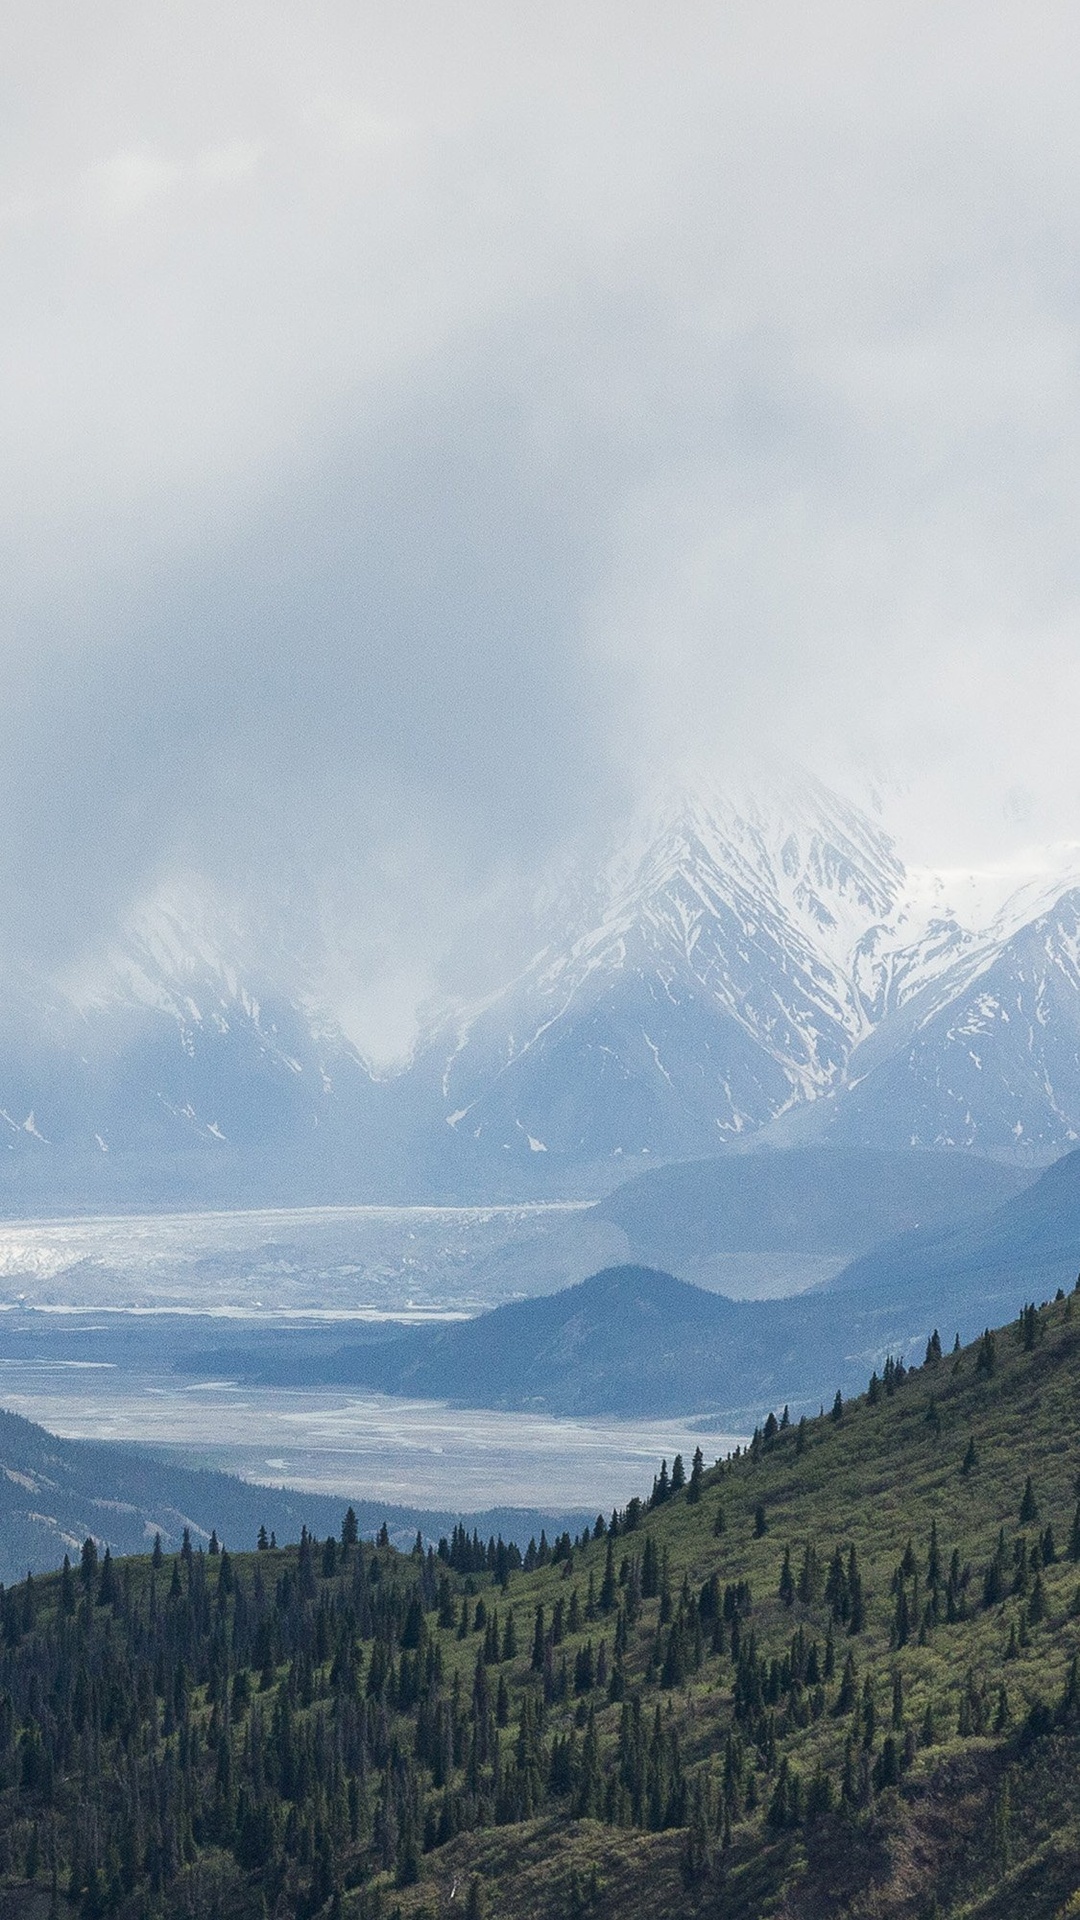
837 1675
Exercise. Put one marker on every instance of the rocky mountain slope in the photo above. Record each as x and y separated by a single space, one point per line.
766 970
733 968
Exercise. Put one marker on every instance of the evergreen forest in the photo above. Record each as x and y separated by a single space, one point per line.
835 1674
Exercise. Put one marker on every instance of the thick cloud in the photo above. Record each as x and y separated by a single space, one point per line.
418 424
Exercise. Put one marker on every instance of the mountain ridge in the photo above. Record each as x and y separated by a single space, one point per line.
735 967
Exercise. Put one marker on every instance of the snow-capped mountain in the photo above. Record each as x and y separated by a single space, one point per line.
704 986
984 1054
177 1066
763 967
736 968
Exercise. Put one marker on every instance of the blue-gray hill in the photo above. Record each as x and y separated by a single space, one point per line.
1025 1248
630 1341
634 1341
813 1200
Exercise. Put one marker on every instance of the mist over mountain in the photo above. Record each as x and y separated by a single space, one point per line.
735 969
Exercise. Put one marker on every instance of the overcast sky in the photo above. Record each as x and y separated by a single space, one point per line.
420 423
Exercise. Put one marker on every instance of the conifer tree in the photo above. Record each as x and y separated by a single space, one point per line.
986 1358
1036 1607
697 1847
1029 1506
1028 1328
808 1576
609 1586
848 1695
650 1569
857 1616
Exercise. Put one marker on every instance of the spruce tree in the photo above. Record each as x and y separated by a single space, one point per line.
787 1581
1029 1506
986 1358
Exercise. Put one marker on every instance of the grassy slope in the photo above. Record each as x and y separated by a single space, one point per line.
880 1477
985 1826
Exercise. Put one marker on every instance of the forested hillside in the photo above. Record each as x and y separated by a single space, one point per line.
838 1674
54 1492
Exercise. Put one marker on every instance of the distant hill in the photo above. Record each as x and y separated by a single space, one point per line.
635 1341
1028 1246
804 1200
628 1342
54 1493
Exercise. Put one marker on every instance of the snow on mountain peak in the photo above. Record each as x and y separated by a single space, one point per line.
739 949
